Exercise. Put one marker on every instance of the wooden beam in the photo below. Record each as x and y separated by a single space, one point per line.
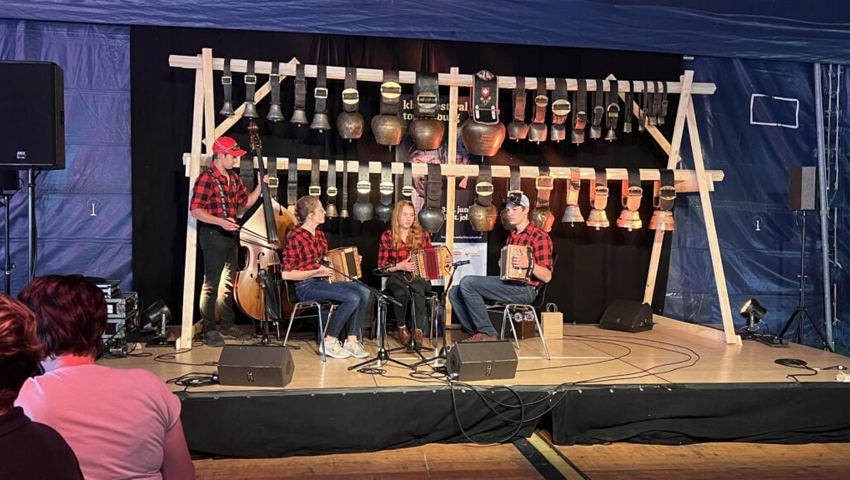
450 184
408 77
711 230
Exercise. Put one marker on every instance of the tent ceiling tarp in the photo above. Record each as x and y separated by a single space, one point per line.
813 31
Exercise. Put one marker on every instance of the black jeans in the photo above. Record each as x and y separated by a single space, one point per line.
221 254
398 288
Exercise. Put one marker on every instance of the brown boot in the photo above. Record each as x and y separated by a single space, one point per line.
417 338
403 335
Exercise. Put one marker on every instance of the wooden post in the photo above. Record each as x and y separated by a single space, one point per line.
450 184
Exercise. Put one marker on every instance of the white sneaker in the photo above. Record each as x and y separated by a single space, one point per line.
356 349
333 348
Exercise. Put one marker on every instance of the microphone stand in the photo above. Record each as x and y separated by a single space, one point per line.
383 355
440 353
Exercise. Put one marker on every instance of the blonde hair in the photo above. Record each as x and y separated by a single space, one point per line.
305 207
414 235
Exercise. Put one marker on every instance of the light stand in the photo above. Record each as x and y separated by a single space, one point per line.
801 312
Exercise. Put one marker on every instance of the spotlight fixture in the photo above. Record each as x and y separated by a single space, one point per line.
753 311
157 317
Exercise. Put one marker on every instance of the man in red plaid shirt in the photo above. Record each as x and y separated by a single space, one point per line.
216 197
303 254
468 297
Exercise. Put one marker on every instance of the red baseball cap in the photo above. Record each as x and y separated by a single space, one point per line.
228 145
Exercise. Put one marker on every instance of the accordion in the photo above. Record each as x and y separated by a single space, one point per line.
508 272
345 260
430 262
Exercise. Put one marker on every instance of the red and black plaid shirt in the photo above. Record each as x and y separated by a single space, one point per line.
303 250
388 254
211 186
540 243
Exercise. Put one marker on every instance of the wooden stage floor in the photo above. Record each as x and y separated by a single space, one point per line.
673 352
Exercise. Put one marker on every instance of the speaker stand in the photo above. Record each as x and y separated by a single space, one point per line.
31 221
800 313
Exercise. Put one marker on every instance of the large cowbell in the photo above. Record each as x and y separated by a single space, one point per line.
482 133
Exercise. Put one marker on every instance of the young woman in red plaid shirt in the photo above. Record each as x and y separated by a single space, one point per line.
303 254
217 195
394 258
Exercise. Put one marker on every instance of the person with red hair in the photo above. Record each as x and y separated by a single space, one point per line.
27 449
121 423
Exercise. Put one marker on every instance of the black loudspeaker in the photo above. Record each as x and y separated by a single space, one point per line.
801 188
32 127
627 316
481 361
10 181
255 366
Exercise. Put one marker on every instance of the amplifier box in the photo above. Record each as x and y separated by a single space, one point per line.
122 305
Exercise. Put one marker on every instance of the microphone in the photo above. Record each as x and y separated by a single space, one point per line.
387 267
325 262
460 263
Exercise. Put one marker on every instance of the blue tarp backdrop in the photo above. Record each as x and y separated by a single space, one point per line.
759 124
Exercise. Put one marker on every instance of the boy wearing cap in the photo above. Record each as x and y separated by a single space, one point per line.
216 196
468 297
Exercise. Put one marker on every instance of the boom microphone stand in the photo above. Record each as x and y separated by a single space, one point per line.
440 353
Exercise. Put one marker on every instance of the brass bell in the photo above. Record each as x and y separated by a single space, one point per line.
572 215
577 136
350 125
595 132
431 219
320 122
275 113
226 109
506 223
629 219
344 212
388 129
597 219
482 139
427 133
250 110
481 218
611 135
542 218
299 117
330 210
517 130
537 132
557 133
662 220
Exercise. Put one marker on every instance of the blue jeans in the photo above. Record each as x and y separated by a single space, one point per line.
468 300
353 300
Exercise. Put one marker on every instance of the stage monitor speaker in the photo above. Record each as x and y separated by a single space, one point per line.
801 188
255 366
32 127
627 316
481 361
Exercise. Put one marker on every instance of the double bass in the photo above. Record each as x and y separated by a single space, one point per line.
257 286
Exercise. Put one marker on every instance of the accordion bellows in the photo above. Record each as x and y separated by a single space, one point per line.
345 260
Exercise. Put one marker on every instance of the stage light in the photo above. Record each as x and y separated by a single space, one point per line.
157 317
753 311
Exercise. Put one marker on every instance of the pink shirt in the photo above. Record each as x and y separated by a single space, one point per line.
114 420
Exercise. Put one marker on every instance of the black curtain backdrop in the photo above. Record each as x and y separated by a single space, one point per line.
594 268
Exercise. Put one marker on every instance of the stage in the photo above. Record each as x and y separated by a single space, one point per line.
677 383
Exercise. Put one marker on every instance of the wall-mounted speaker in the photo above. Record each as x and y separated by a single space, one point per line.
255 366
481 361
32 126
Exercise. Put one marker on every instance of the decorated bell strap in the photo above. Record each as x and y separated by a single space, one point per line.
331 189
484 186
388 127
320 94
560 110
537 130
431 217
363 208
644 109
227 86
655 104
598 111
612 110
275 111
664 191
518 129
664 104
292 184
299 114
407 181
350 122
629 112
574 187
482 134
315 189
344 212
485 98
384 209
427 132
580 116
599 190
632 191
514 187
250 86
